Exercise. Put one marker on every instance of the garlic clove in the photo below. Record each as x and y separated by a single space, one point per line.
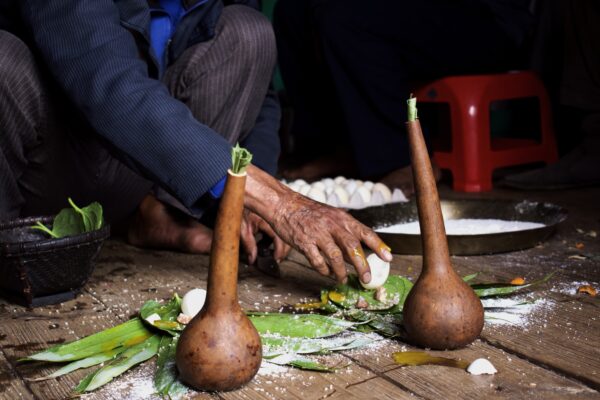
481 366
380 270
192 302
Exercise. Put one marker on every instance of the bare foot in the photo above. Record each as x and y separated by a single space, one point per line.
402 178
154 226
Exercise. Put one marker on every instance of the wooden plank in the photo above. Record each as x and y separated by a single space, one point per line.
352 382
516 378
11 385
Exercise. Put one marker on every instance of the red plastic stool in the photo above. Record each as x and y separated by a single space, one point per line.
475 154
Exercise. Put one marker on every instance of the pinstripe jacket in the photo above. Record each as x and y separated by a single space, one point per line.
89 48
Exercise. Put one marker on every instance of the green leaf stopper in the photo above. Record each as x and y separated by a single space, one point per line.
412 108
240 159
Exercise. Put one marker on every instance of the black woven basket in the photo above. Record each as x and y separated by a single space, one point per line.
36 271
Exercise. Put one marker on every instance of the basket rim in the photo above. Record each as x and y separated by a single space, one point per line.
17 248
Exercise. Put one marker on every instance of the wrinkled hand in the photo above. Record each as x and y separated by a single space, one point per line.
327 236
253 224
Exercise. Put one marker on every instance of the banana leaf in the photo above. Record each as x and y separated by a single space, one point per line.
126 334
166 379
84 363
299 325
127 359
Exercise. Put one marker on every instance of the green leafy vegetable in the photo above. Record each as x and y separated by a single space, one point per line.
167 314
74 221
503 289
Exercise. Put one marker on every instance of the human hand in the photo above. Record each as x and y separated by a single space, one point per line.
327 236
253 224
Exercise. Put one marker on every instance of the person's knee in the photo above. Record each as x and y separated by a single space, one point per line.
253 34
17 62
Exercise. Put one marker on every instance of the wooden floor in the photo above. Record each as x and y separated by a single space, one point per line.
554 353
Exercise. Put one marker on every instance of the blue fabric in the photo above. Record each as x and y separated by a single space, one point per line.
217 190
163 23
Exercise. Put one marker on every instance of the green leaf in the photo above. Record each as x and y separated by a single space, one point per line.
240 159
67 222
468 278
44 229
300 362
396 287
413 358
84 363
91 215
166 379
299 325
503 289
167 312
127 334
130 357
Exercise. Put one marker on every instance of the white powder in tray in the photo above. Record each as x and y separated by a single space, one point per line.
465 227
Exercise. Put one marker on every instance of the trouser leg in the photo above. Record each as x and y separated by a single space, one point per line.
224 81
48 153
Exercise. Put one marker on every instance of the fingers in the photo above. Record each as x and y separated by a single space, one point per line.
373 241
316 259
249 242
282 249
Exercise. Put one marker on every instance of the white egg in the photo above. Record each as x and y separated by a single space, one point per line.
384 190
317 194
364 193
380 270
304 189
377 199
350 187
398 196
368 185
294 186
328 182
300 182
481 366
329 190
318 185
342 195
333 200
192 302
339 180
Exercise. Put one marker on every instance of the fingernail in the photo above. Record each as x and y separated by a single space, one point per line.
386 251
366 278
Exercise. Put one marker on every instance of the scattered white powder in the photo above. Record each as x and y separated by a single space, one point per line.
570 288
270 369
465 227
514 311
136 384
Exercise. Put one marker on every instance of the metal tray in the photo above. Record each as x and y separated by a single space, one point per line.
548 214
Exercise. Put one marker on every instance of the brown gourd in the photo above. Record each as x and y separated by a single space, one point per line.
220 349
441 311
